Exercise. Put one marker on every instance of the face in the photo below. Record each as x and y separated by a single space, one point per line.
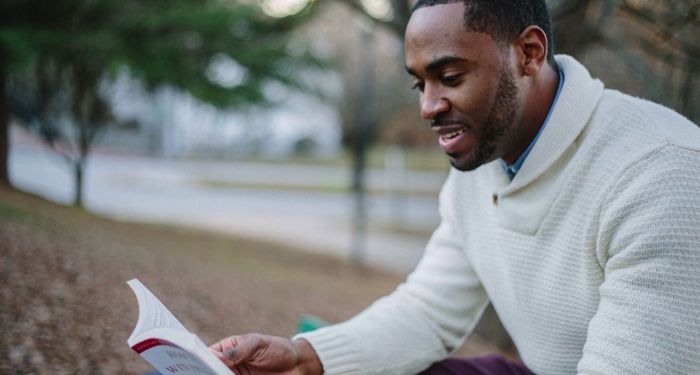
467 88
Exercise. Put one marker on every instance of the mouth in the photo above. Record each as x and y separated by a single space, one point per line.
450 136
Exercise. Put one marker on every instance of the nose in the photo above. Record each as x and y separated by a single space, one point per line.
432 104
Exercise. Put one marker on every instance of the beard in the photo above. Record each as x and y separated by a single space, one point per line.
499 125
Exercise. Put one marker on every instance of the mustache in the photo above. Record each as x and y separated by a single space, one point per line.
440 122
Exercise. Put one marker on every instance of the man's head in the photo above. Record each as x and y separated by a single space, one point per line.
503 20
482 67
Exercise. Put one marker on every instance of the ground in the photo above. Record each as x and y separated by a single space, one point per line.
65 307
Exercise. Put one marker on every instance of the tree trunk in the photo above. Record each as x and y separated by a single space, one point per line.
572 28
359 223
4 131
85 138
78 169
362 140
687 90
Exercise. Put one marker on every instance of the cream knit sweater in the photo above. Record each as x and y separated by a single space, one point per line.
590 256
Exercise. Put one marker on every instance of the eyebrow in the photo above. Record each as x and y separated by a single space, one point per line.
439 64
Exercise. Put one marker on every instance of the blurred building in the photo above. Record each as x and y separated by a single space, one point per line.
174 124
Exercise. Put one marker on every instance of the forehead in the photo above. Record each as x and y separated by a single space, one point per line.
437 31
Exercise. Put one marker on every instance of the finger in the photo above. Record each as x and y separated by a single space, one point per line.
242 370
227 362
242 349
223 350
224 344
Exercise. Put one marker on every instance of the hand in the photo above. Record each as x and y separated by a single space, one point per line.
256 354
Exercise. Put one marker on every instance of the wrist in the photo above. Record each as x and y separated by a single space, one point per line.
308 363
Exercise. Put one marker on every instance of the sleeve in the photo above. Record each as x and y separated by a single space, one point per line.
419 323
648 319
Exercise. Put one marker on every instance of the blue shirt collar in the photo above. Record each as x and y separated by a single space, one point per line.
512 170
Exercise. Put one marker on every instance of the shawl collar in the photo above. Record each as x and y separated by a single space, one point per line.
524 202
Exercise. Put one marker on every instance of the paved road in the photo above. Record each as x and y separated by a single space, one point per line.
182 192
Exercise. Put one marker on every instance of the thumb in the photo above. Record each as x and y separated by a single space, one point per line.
240 349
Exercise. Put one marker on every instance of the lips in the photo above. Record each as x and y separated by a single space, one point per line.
450 136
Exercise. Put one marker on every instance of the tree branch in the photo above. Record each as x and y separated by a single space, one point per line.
396 25
565 8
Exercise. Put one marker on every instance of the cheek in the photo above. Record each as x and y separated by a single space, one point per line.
476 98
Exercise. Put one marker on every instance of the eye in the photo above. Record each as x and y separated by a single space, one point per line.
418 85
450 80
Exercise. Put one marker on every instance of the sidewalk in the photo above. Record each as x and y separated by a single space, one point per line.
181 192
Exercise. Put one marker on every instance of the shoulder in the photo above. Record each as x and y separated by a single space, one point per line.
660 122
626 133
645 143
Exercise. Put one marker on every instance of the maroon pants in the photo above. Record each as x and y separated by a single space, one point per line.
489 365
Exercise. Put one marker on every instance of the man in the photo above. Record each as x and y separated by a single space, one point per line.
573 209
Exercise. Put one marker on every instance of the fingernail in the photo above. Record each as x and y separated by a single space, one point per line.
230 354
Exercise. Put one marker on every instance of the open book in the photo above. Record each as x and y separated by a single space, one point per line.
165 343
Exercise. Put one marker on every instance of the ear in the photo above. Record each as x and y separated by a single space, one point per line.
531 50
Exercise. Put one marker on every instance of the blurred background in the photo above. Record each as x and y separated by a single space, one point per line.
271 148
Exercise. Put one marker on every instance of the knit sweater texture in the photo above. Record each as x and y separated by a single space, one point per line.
590 255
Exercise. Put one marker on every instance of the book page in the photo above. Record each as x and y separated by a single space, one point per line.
168 358
152 313
178 352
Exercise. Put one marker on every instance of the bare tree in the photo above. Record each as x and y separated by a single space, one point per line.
400 13
4 131
64 105
654 41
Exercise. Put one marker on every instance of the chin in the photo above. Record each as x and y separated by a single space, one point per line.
473 160
464 165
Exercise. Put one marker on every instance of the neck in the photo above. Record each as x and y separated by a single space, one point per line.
536 104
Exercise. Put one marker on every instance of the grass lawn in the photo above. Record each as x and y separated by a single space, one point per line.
65 307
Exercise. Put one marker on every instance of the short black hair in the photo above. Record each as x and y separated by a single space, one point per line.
503 19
